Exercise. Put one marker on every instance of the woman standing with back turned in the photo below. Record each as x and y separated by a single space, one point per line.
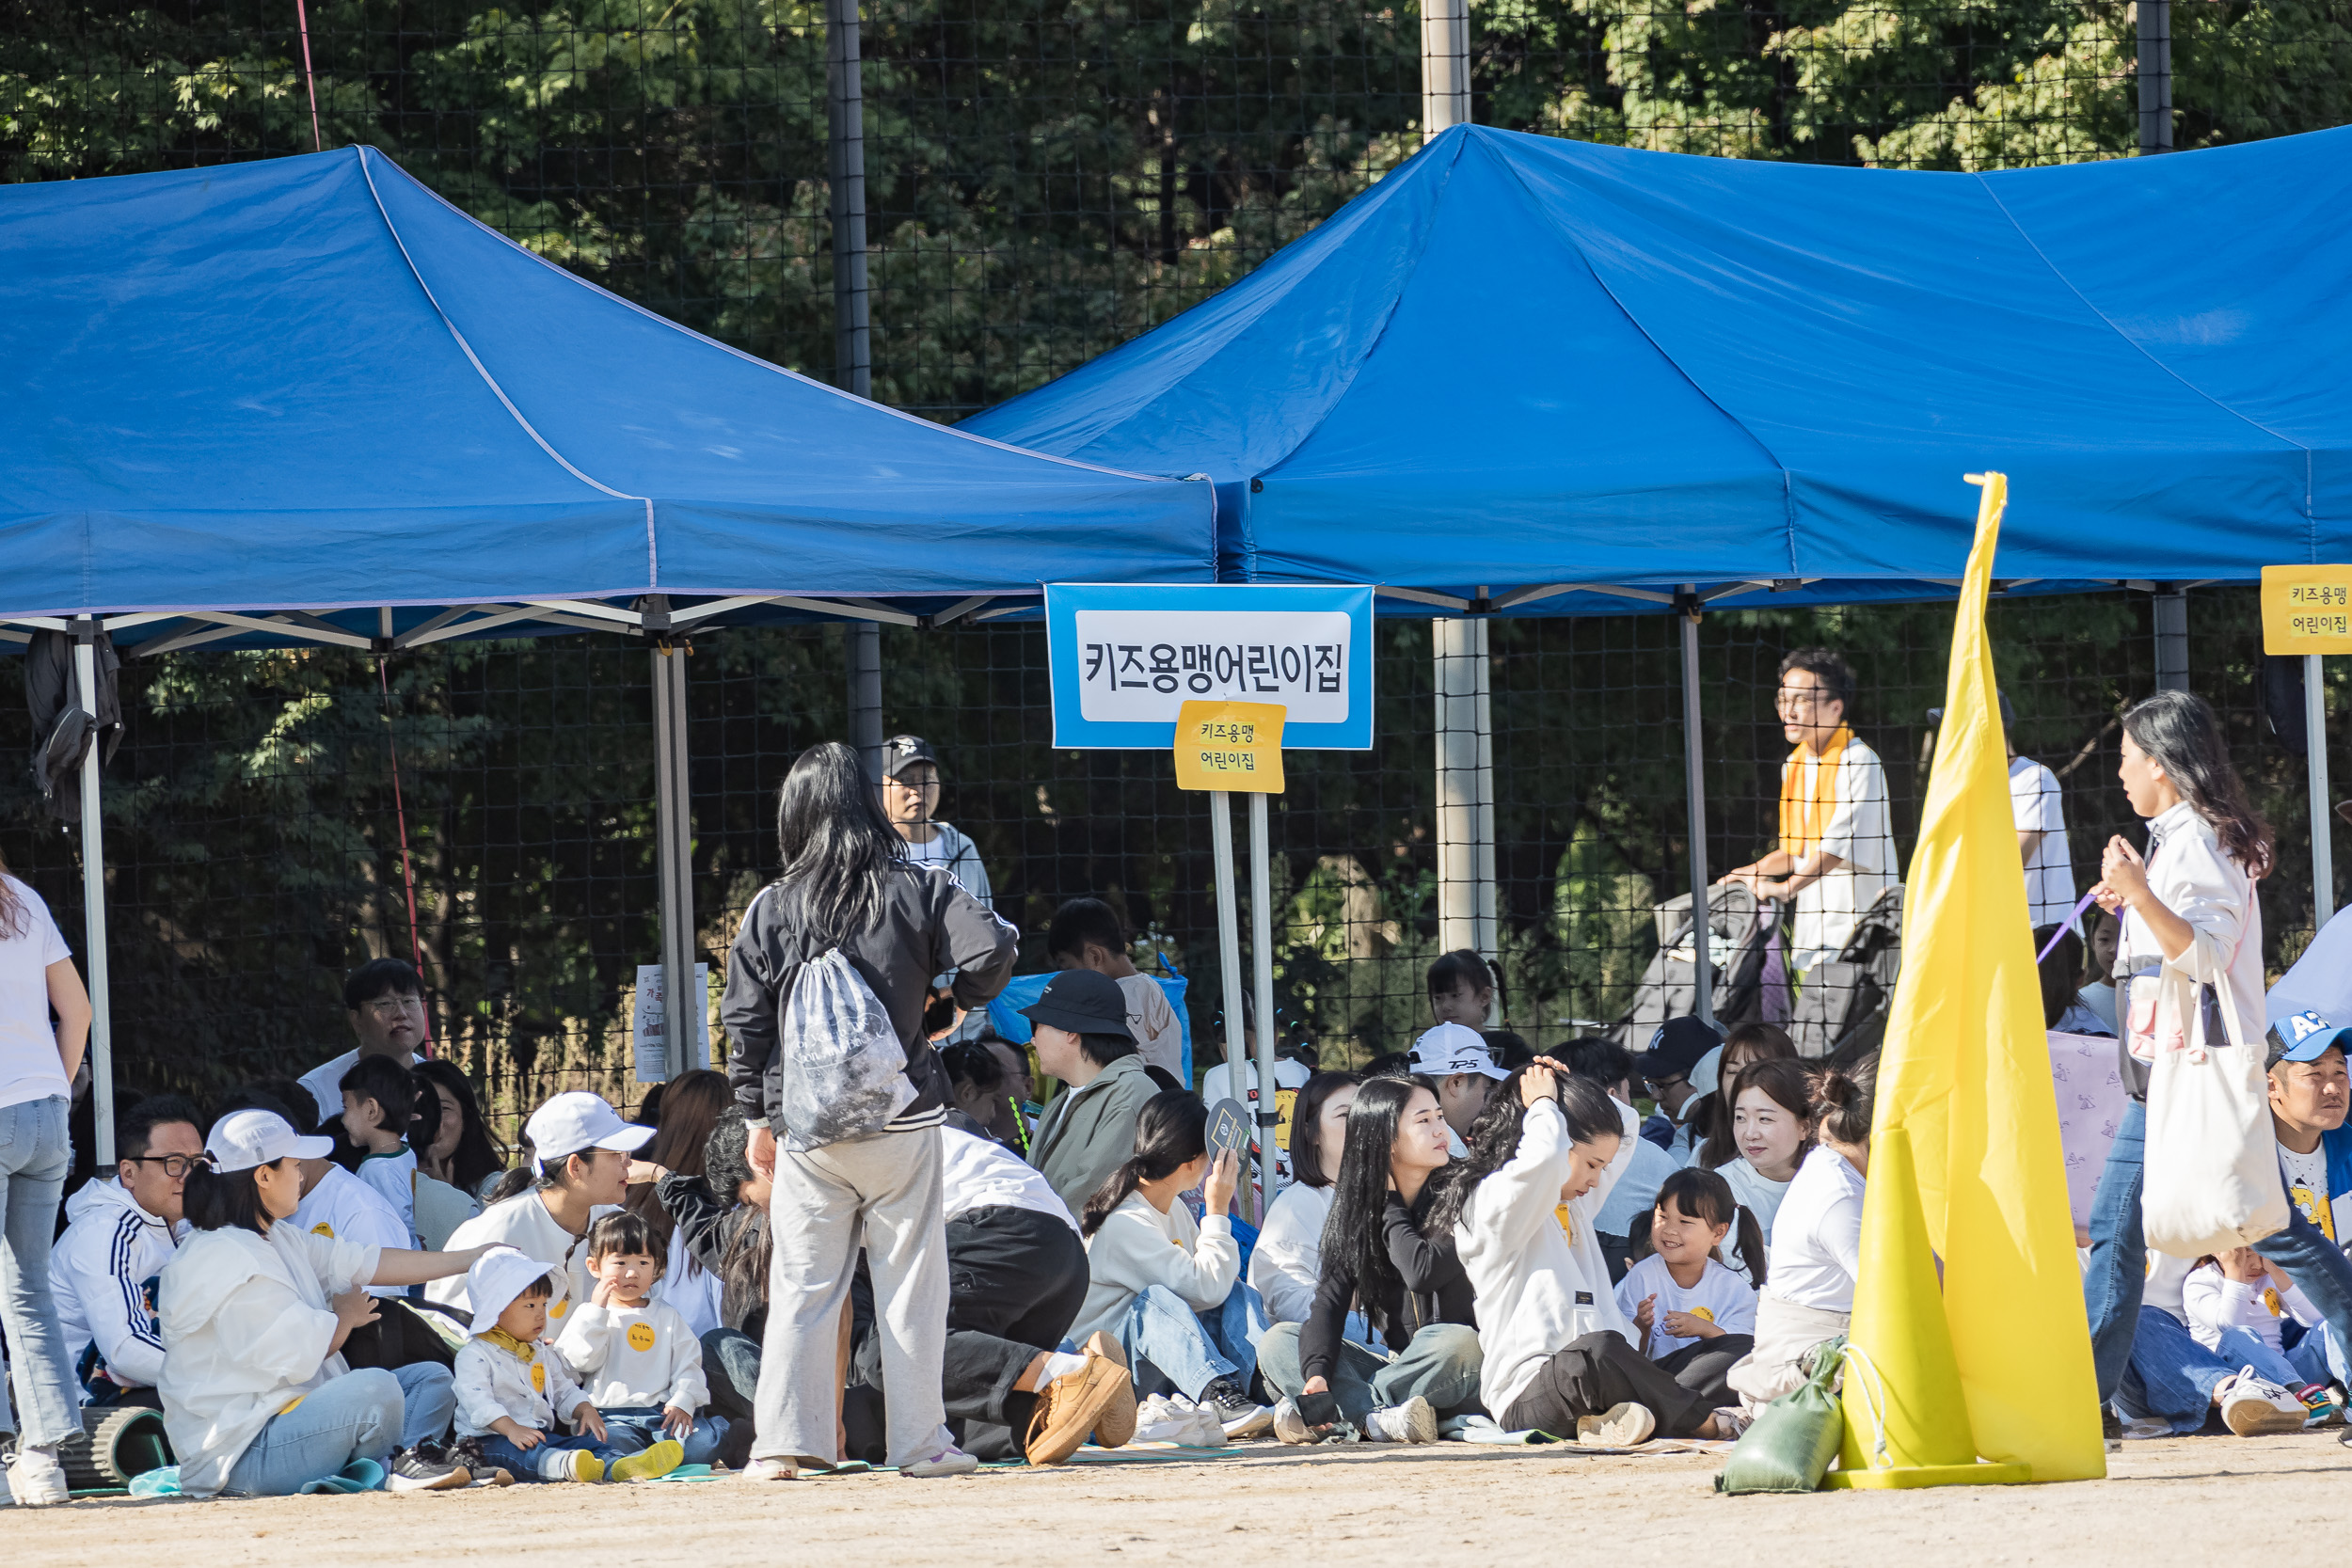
2190 919
848 886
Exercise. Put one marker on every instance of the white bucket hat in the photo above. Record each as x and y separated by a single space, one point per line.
498 1276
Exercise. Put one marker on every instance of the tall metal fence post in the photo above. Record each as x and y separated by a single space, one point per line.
2170 607
1445 87
853 337
102 1028
683 1004
2155 75
1694 789
2315 753
863 645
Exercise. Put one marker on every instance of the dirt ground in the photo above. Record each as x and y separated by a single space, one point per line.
2161 1504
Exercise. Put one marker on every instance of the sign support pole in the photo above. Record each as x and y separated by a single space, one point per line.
2315 750
1227 934
1262 966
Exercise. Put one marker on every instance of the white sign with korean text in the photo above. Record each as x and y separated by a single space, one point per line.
1140 666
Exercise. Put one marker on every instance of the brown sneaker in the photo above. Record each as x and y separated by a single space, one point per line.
1067 1408
1115 1426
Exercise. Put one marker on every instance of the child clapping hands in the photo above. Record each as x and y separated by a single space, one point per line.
639 1358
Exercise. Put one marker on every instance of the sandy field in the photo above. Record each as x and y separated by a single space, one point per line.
1291 1507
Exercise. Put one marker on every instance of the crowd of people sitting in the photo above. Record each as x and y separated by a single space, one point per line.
813 1265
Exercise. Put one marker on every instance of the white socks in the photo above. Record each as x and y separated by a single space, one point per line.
1059 1366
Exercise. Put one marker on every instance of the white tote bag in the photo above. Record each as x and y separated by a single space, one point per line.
2211 1176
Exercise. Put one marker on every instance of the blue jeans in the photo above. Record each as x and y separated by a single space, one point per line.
523 1464
2243 1347
2169 1376
1169 1345
633 1429
2119 1259
2317 1356
34 1155
1440 1365
357 1416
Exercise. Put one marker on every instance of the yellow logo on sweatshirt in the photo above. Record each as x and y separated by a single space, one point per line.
538 1377
641 1337
1704 1313
322 1228
557 1309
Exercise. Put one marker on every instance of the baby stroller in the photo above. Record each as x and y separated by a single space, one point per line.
1739 926
1841 1008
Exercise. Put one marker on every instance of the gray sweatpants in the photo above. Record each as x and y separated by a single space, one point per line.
881 1193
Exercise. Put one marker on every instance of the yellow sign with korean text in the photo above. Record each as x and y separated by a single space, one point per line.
2307 610
1236 745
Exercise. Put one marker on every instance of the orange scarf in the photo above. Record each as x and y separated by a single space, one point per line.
1803 821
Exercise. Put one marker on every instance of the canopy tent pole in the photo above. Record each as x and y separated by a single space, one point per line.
1694 788
1262 966
2315 754
2171 605
1445 86
675 846
101 1055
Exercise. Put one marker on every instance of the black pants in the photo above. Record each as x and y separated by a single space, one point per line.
1700 1366
399 1337
1600 1371
1015 1281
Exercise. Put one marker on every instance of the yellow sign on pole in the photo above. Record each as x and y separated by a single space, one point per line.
2307 610
1231 745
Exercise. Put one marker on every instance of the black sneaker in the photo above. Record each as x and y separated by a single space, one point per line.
1236 1412
2110 1426
427 1468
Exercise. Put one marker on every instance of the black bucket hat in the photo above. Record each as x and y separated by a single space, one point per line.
1083 1002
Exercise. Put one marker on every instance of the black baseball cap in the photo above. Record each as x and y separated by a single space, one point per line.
1084 1003
902 752
1676 1049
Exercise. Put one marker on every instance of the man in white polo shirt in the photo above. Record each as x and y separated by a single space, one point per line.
386 1000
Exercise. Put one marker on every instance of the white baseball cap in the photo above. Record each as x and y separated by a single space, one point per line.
498 1276
579 1121
1451 1048
244 1139
1707 1075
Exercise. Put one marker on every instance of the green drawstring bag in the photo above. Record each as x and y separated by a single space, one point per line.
1790 1446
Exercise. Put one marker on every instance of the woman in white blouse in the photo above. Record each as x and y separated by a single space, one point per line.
1288 1259
2191 923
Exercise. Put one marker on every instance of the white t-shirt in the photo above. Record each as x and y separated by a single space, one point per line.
1757 1194
394 1178
1721 1296
1289 1078
326 1083
1636 1192
1152 1022
982 1173
1860 833
1817 1241
342 1208
2307 1184
2033 797
30 1068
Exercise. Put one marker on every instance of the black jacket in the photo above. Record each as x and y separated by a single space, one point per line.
706 1225
927 925
1434 1289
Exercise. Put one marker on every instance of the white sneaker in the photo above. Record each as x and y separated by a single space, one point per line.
1623 1427
1289 1426
37 1479
770 1469
1414 1422
950 1460
2253 1406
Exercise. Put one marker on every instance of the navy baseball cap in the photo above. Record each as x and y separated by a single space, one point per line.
2303 1036
1676 1049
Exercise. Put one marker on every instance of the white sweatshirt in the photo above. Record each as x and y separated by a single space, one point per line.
492 1380
1816 1237
629 1356
1539 1289
342 1208
1285 1263
394 1178
1139 1246
2214 1301
523 1223
110 1249
246 1328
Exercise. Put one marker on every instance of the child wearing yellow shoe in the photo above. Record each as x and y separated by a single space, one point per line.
512 1386
641 1362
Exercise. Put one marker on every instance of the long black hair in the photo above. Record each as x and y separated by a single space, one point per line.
1306 1131
477 1155
1706 1198
1170 1134
215 1200
1494 1137
726 1165
838 847
2177 731
1354 1231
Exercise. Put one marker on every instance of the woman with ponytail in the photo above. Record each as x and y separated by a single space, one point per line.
1558 1354
1168 1286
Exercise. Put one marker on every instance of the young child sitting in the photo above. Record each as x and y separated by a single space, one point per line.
511 1388
379 1102
2239 1304
641 1362
1691 1313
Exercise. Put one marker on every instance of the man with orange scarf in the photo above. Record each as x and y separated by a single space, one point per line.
1837 848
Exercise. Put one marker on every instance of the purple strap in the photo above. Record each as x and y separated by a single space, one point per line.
2072 922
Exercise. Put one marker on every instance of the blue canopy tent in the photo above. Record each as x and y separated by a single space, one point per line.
306 401
1528 374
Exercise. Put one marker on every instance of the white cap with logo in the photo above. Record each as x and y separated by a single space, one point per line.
578 1121
1451 1048
243 1140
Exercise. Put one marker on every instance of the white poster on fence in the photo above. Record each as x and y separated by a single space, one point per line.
2090 1103
652 1044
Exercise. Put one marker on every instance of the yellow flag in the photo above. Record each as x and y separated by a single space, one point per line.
1966 1073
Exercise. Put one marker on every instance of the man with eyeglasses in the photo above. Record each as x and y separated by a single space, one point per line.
910 794
120 1236
1836 850
386 999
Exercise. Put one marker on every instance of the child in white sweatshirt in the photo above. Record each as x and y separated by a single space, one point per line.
639 1360
2238 1306
1557 1353
512 1389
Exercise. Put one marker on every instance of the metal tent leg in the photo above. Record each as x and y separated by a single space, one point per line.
1694 789
682 1002
102 1054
